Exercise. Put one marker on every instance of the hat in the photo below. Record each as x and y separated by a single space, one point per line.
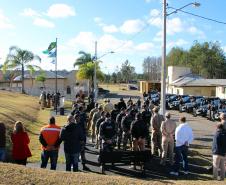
223 116
155 109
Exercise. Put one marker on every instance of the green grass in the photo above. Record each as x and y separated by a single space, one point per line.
18 107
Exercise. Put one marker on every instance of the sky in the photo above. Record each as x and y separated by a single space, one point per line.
132 29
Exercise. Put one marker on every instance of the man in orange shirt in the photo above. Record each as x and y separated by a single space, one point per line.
49 138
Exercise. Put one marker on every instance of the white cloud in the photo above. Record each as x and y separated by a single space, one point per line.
195 31
147 46
156 21
60 11
174 26
132 26
43 23
28 12
179 43
110 29
154 13
5 22
85 41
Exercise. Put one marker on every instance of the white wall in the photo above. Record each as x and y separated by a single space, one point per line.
221 92
175 72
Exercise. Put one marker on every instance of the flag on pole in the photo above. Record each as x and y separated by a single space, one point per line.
53 61
52 46
52 54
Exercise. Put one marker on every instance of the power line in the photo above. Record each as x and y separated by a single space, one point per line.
206 18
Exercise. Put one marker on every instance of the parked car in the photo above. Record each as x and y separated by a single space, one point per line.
196 101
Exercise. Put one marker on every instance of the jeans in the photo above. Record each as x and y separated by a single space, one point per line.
181 152
2 154
72 160
53 155
218 166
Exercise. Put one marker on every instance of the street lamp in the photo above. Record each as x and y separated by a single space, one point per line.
95 69
163 69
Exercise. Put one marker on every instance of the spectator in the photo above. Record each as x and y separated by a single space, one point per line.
2 141
184 137
223 119
95 109
168 128
20 140
156 134
130 102
73 137
114 113
219 151
49 138
118 126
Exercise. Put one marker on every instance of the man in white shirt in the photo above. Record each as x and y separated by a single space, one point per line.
184 137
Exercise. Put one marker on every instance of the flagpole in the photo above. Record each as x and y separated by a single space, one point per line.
56 101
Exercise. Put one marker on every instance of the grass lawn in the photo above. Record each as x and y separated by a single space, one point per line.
14 174
18 107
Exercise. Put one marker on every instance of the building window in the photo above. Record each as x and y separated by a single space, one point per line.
68 90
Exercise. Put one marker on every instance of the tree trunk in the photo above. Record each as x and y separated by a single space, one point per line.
22 78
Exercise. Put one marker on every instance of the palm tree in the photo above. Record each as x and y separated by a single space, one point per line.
83 59
32 69
19 58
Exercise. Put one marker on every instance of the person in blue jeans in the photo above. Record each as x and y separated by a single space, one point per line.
183 137
73 137
2 142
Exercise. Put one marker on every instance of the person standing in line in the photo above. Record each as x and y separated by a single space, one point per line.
2 142
219 150
146 116
96 116
121 104
168 128
139 132
114 113
95 109
118 126
49 137
126 124
156 135
72 136
20 140
99 121
108 107
184 137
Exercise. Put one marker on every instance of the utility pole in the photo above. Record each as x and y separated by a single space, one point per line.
163 70
95 73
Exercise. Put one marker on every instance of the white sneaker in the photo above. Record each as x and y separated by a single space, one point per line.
174 173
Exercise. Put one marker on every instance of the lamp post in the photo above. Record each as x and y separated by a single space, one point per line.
163 68
95 69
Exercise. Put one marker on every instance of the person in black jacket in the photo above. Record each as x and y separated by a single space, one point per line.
121 104
126 124
114 113
108 133
139 132
219 152
146 116
73 137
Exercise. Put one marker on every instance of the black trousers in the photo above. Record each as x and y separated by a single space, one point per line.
21 162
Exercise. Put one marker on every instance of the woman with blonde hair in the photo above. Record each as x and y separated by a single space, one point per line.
20 141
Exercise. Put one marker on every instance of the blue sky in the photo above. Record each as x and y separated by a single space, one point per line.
130 28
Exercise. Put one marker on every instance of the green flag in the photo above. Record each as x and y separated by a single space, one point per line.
52 46
46 52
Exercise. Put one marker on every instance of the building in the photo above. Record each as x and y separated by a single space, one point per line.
146 86
67 84
181 81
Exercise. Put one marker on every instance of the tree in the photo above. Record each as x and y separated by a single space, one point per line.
127 71
86 71
86 67
152 68
41 78
205 59
32 69
20 59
